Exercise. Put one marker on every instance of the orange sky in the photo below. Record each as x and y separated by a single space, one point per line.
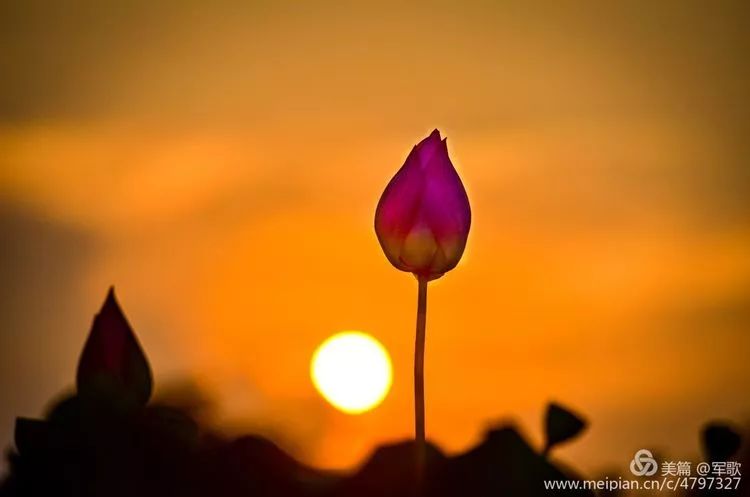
221 165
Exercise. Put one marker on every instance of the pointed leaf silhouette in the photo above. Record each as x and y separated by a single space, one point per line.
112 366
720 441
561 425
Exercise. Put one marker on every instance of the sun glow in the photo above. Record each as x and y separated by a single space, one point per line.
352 371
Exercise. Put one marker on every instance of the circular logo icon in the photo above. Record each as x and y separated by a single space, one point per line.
643 463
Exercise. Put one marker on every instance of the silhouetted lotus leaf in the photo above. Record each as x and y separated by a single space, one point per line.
30 435
560 425
393 471
252 465
113 366
503 464
172 425
720 441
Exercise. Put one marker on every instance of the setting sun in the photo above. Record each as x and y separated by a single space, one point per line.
352 371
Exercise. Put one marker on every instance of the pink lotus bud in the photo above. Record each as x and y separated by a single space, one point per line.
112 365
423 218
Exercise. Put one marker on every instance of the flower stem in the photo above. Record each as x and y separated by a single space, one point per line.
419 366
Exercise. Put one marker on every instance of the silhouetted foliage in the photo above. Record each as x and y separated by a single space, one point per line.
107 440
720 442
560 425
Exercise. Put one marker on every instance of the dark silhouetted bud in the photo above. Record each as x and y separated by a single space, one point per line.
113 367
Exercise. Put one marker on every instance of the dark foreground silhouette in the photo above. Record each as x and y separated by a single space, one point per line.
107 440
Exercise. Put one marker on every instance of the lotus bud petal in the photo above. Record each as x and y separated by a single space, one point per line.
423 217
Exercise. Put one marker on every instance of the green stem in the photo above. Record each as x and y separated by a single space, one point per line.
419 365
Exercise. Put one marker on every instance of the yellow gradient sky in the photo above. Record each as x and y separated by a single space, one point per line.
220 164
